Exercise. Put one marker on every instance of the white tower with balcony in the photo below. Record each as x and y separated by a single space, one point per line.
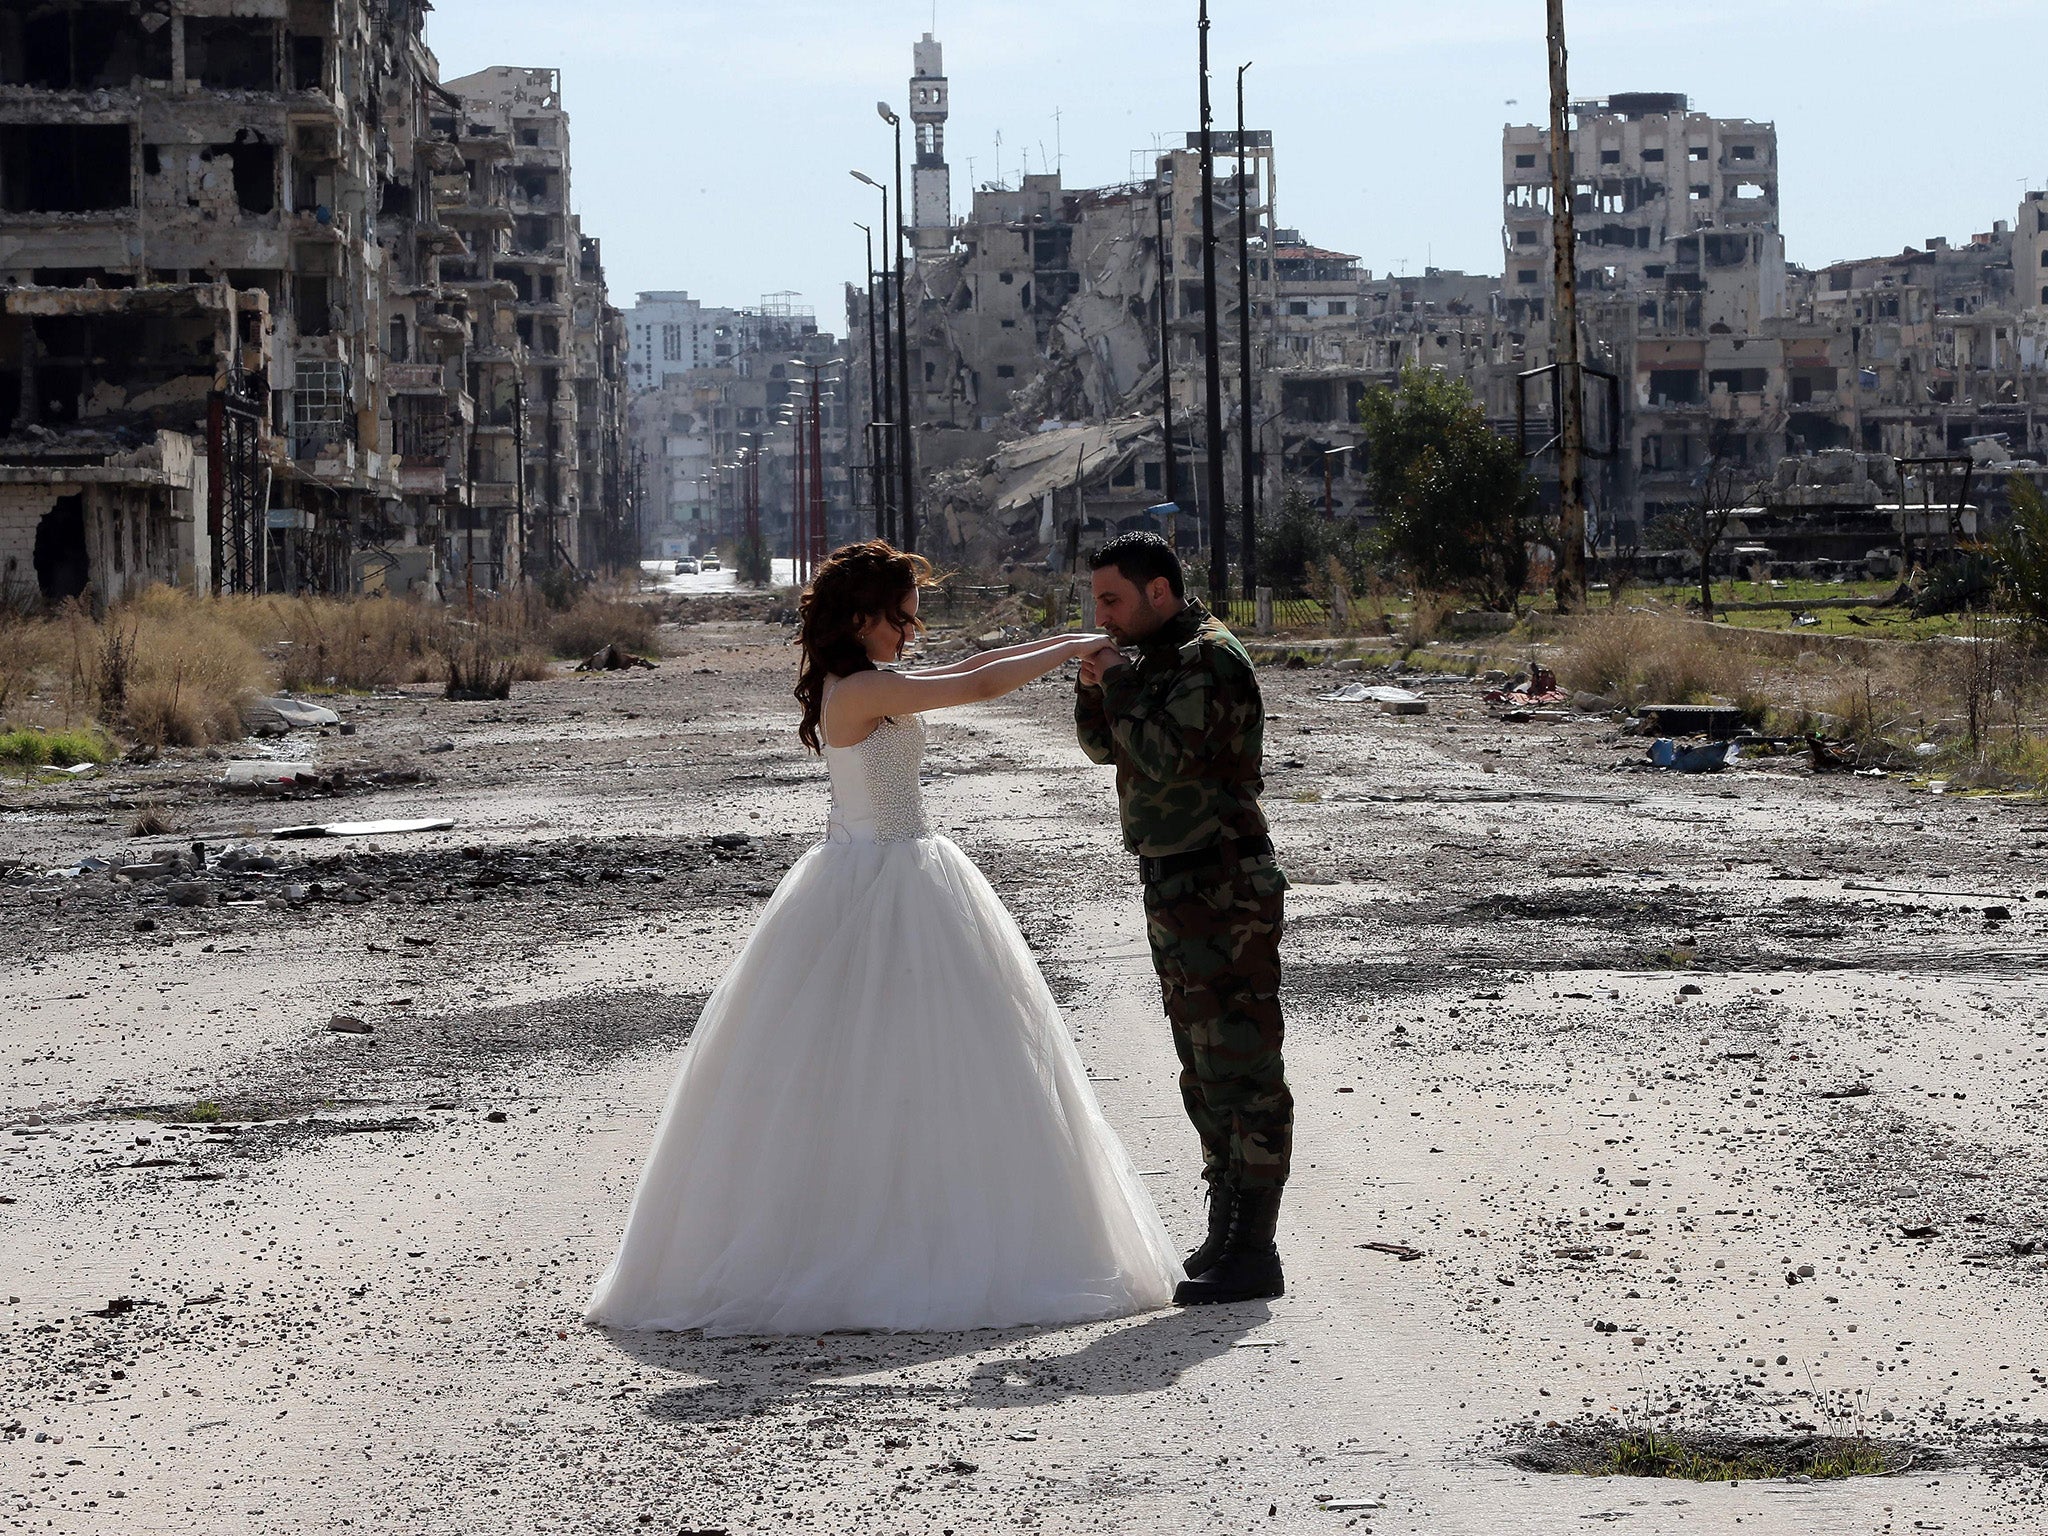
931 186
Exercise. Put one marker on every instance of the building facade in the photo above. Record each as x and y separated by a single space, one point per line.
244 339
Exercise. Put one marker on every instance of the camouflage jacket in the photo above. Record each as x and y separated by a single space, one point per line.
1185 727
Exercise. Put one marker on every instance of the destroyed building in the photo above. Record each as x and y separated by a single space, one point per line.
236 348
709 385
1047 310
1728 354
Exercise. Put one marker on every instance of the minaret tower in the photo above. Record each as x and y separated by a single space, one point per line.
931 195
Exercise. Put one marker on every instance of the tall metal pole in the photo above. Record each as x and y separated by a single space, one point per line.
1247 510
906 472
1564 320
798 500
1165 345
519 462
1219 515
874 394
819 541
888 438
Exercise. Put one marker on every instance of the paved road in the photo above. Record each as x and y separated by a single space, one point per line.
662 577
1576 1032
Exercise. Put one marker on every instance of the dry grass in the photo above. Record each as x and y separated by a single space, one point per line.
164 668
29 650
167 668
1427 612
596 620
152 819
1644 658
349 644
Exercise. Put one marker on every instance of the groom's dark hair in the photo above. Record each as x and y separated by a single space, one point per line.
1141 559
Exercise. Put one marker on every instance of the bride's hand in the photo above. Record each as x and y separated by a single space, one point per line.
1098 661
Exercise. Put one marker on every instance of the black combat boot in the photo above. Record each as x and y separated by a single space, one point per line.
1222 1201
1249 1267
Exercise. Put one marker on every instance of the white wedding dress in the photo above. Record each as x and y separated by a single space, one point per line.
880 1121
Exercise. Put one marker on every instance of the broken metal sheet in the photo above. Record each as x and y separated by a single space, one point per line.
296 712
1392 701
367 828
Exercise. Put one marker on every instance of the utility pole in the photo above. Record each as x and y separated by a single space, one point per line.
519 462
1165 343
1247 511
1219 515
799 501
906 472
874 394
818 538
1564 331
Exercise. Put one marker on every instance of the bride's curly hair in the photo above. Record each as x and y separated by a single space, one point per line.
859 581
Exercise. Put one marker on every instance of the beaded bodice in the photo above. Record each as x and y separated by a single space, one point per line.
875 793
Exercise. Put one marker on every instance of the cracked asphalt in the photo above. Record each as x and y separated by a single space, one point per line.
1710 1103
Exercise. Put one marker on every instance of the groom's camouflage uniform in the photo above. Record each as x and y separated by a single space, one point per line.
1184 726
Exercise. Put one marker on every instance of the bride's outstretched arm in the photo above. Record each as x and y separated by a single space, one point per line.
866 697
1004 653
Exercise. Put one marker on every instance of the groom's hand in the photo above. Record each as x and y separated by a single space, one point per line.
1097 662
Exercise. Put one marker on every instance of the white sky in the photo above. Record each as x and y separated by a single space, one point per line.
712 139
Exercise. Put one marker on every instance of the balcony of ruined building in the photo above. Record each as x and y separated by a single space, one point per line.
479 287
473 210
550 157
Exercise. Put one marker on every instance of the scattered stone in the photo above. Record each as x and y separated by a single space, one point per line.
349 1024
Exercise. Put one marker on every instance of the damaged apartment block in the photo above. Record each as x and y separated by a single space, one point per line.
235 340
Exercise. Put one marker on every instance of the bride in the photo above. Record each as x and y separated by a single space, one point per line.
880 1121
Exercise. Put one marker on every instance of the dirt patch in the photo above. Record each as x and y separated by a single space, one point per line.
1602 1448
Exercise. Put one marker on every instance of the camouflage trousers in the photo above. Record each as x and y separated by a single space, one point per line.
1215 939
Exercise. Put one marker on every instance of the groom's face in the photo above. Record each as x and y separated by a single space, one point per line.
1126 611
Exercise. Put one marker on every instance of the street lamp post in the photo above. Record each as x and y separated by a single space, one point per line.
1329 496
885 510
1247 512
1168 492
1564 320
905 469
874 390
1219 515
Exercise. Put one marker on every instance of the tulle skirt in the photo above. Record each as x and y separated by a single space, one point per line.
880 1122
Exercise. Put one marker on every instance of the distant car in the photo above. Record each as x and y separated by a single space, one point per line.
710 563
687 566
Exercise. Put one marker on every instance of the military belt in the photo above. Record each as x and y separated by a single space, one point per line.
1229 851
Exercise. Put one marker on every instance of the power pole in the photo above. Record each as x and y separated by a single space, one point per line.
874 396
887 437
1247 512
519 461
905 468
1564 331
1219 515
818 538
1165 345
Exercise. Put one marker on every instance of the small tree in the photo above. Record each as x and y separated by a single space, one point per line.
1455 501
751 563
1296 547
2021 550
1722 490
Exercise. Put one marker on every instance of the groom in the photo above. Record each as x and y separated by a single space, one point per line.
1175 706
